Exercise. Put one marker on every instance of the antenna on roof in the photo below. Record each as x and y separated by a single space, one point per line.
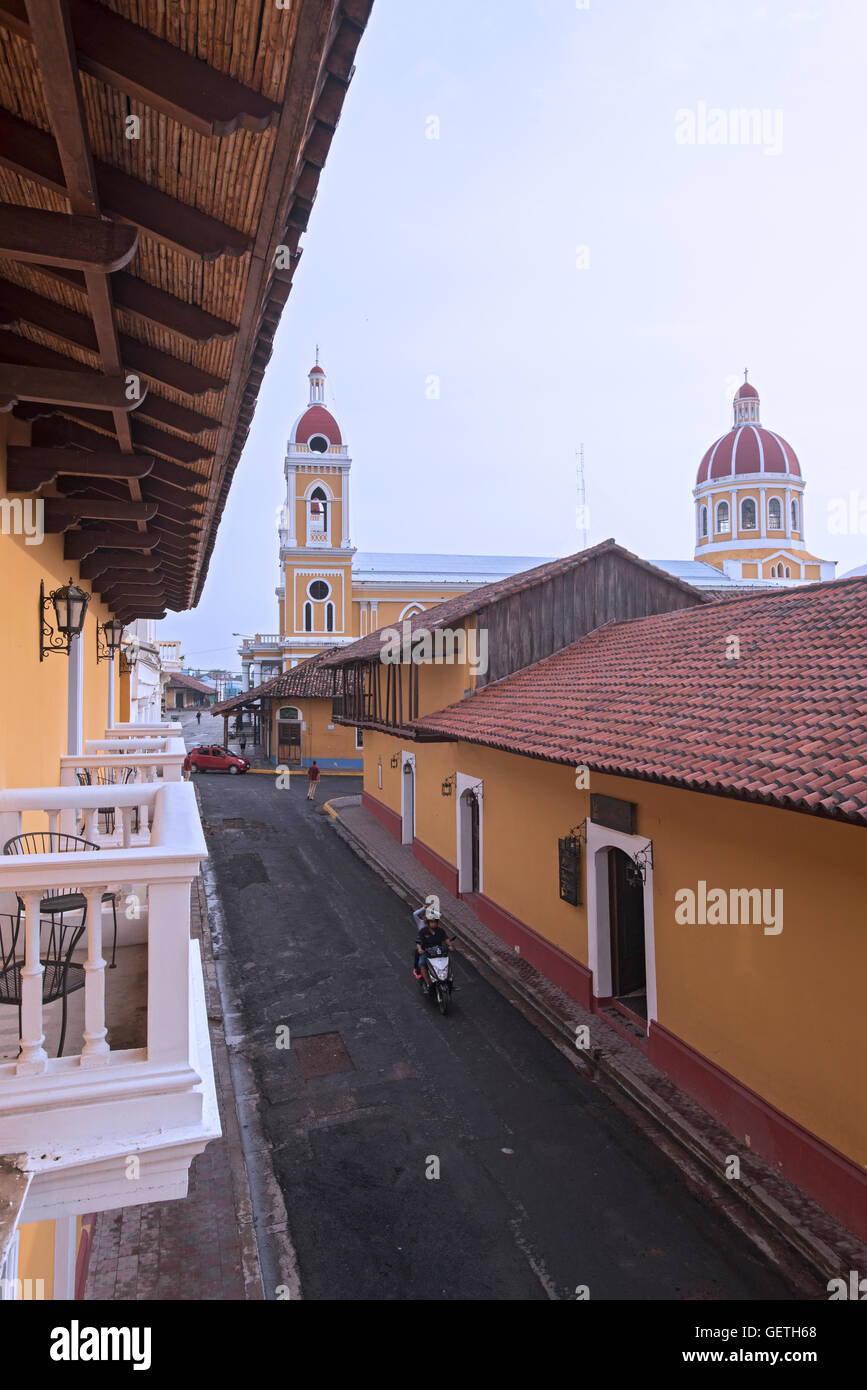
745 370
317 354
581 517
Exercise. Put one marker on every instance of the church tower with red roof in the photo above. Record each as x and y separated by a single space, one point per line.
316 553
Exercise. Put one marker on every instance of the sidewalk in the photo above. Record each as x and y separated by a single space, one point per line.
203 1247
804 1228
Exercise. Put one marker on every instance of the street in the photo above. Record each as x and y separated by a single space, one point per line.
428 1157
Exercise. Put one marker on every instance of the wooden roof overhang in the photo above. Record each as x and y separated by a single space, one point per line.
158 165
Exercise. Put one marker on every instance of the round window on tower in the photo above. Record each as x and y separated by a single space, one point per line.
319 590
319 444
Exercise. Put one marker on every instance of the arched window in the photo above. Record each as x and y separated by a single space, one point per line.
704 521
318 510
722 517
775 515
289 712
308 617
748 514
788 572
795 514
329 617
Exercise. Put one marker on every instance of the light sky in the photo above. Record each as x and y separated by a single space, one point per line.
571 271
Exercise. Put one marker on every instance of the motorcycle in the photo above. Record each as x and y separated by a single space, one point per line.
439 968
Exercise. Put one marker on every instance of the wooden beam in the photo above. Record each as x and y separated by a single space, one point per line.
156 306
32 154
82 388
62 512
71 428
182 505
155 72
102 560
77 545
68 242
18 304
27 470
112 579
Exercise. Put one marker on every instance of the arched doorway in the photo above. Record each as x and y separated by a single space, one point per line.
626 922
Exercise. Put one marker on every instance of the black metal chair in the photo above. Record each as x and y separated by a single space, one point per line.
59 901
107 777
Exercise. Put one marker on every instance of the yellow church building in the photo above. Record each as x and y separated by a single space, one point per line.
329 593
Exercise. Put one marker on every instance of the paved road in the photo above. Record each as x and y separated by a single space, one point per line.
544 1184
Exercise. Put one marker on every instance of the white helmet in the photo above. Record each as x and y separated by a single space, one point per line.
432 914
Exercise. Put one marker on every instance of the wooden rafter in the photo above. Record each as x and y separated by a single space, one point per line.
127 57
67 242
33 155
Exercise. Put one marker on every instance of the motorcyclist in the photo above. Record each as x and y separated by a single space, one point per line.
430 934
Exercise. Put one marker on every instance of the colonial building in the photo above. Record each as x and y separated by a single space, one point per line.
749 504
660 801
330 593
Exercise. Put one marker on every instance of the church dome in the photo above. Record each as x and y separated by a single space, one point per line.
748 448
316 426
316 420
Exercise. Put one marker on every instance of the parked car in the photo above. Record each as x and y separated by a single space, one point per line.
212 758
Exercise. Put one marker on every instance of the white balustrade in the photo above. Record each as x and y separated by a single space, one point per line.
160 871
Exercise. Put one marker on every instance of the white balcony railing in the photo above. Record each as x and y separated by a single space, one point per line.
170 730
98 1101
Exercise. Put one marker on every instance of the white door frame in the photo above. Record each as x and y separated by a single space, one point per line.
463 856
407 832
599 837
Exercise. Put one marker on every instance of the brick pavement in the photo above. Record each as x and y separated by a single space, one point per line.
204 1246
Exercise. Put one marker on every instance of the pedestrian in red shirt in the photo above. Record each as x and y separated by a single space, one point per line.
312 781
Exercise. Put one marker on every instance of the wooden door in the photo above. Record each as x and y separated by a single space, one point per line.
288 742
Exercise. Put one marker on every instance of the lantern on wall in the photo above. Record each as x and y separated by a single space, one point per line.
395 760
112 636
70 608
448 784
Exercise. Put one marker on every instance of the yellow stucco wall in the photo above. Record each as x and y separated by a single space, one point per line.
33 695
781 1013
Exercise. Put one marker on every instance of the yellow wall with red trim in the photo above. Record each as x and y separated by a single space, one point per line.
781 1013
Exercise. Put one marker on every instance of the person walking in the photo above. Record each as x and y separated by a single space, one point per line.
198 716
312 781
242 743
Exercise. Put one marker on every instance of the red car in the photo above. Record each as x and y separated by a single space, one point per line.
214 759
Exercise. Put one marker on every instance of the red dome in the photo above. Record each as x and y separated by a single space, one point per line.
748 449
315 420
316 371
746 391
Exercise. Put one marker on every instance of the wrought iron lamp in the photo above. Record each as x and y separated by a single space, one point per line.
70 607
395 760
129 656
112 636
636 870
448 784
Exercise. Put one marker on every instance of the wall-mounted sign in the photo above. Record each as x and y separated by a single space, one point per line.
612 813
570 871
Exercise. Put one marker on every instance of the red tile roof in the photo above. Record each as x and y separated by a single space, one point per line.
306 679
464 605
179 681
656 698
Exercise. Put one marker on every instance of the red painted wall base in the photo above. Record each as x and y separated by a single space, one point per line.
829 1177
384 814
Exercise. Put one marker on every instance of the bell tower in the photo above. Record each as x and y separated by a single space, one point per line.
315 597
